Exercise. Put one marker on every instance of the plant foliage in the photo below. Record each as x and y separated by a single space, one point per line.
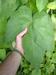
39 42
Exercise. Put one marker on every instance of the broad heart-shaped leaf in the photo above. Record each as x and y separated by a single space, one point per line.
38 39
20 19
41 4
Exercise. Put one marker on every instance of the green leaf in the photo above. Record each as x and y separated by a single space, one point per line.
53 19
2 30
39 39
18 2
50 67
32 4
54 58
8 7
35 72
41 4
54 24
20 19
2 54
52 5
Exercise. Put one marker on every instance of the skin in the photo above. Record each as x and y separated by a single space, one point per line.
11 64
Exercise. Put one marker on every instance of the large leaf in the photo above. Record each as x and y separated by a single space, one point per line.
20 19
41 4
39 39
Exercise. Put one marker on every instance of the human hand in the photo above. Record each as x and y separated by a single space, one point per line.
19 41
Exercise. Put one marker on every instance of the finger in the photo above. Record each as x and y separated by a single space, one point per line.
23 32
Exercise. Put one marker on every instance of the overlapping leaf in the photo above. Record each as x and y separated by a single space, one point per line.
39 39
19 20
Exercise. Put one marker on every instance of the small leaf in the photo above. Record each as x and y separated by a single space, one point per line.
2 54
35 72
54 58
52 5
41 4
